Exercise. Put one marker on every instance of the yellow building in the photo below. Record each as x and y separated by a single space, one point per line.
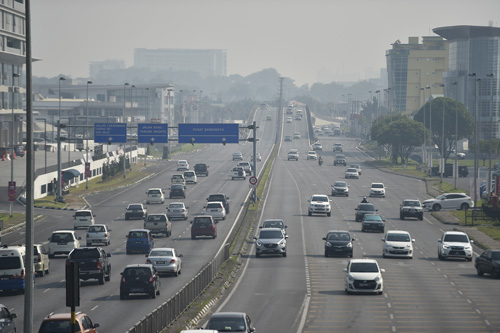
411 68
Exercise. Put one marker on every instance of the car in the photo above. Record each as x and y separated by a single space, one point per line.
178 179
293 154
92 263
7 324
98 233
61 322
411 208
488 262
274 223
158 224
296 135
63 242
364 276
258 157
19 150
41 260
155 195
177 210
247 166
338 242
340 159
238 172
237 156
362 209
201 169
136 211
337 147
216 210
139 240
288 119
455 244
372 222
83 218
182 165
397 243
139 279
203 225
319 204
177 191
351 173
230 322
449 201
311 155
190 177
165 260
13 268
270 241
377 190
340 188
288 138
220 197
298 117
357 167
317 146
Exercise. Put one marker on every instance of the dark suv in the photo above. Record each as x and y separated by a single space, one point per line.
201 169
220 197
139 279
177 190
203 225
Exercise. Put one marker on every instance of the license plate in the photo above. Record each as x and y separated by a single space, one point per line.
363 284
83 220
136 242
214 210
160 262
4 278
62 243
338 250
202 227
154 196
136 290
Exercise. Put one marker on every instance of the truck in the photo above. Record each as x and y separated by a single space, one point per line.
93 263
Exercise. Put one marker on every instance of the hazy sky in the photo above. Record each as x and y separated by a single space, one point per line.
306 40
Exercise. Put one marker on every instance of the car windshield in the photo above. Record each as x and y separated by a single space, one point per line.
134 207
320 198
364 267
340 184
377 185
161 253
398 237
10 262
369 217
368 207
176 206
456 238
96 228
227 324
273 224
154 218
269 234
352 170
412 203
339 236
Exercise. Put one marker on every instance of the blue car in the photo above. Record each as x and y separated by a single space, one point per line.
139 240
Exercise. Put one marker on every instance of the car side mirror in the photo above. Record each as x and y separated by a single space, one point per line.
353 239
260 226
376 210
382 239
355 208
74 215
286 226
413 240
286 236
382 270
94 215
191 222
96 325
13 315
344 270
180 255
472 241
79 238
146 255
324 238
146 192
108 255
254 237
187 207
439 241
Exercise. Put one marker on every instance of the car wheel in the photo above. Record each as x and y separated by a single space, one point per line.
126 217
214 236
464 206
283 254
108 277
153 294
309 213
51 256
496 274
193 237
47 271
123 296
176 273
479 272
468 259
347 292
326 254
257 254
401 217
158 292
421 217
440 256
329 214
101 279
41 273
436 208
362 229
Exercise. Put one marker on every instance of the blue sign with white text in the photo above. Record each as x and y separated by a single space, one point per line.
208 133
152 133
110 133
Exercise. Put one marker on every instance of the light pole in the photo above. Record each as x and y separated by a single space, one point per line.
476 146
455 172
125 121
149 117
45 139
423 147
430 125
59 196
491 131
14 75
442 139
87 139
131 119
169 90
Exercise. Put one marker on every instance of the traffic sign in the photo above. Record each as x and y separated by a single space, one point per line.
252 180
110 133
208 133
152 133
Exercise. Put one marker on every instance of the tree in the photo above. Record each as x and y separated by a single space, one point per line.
452 109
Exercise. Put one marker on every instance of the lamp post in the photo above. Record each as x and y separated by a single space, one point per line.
59 196
149 117
86 138
491 131
476 146
430 125
423 147
131 118
443 140
169 90
125 121
45 139
455 172
14 75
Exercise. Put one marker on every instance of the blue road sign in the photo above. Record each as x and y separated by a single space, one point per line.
208 133
152 133
110 133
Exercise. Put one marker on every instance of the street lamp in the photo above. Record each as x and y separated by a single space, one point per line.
59 196
491 130
456 133
131 118
442 140
430 125
476 146
423 147
14 75
169 90
125 121
87 164
45 139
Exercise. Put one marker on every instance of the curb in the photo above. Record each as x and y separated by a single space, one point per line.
55 208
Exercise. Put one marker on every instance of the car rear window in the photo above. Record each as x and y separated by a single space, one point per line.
216 198
202 221
177 187
98 228
84 253
338 236
137 271
366 207
154 192
61 237
138 234
55 326
214 205
157 218
161 253
10 263
82 214
134 207
176 206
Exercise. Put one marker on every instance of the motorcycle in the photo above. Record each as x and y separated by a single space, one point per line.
320 161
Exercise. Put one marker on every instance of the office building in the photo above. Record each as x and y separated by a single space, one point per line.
97 67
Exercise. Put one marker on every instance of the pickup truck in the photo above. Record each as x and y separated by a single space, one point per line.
93 263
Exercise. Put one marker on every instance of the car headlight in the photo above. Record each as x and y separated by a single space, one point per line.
377 279
328 244
349 244
445 246
408 245
258 243
351 278
467 248
282 242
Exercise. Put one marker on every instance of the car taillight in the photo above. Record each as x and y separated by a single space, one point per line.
39 259
123 279
22 274
99 265
105 235
172 261
87 235
152 279
148 261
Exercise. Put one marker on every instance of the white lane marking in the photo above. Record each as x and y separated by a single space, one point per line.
487 322
389 305
469 301
460 292
478 311
47 290
445 276
452 283
95 307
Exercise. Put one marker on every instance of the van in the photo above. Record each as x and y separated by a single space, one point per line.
63 242
139 240
83 218
155 195
190 177
12 268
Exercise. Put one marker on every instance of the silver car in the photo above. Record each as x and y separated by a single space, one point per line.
177 210
98 233
165 260
270 241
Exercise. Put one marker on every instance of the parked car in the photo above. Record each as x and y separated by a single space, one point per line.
230 322
372 222
98 233
237 156
177 191
41 260
177 210
63 242
449 201
182 165
201 169
351 173
158 224
488 262
338 242
216 210
136 211
83 218
220 197
93 263
139 279
165 260
190 177
203 225
411 208
364 276
61 322
139 240
7 324
455 244
319 204
155 195
340 188
362 209
377 190
397 243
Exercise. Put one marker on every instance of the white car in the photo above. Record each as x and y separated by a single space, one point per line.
237 156
319 204
155 195
311 155
216 210
247 166
98 233
377 190
449 201
363 276
63 242
357 167
398 243
351 173
288 119
182 165
190 177
258 157
293 154
238 172
83 218
177 210
165 260
317 146
178 179
455 244
296 135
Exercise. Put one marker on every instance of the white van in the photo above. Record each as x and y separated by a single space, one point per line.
155 195
83 218
190 177
12 268
63 242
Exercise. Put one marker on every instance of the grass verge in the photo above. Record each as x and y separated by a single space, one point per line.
17 218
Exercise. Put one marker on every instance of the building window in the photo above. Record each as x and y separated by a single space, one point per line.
44 188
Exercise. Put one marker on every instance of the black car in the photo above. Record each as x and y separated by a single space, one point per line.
136 211
177 191
7 320
201 169
139 279
373 222
338 242
220 197
230 322
488 262
362 209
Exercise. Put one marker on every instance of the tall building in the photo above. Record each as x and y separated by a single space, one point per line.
206 62
413 66
110 64
474 70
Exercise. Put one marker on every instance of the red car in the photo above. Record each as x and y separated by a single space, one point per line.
203 225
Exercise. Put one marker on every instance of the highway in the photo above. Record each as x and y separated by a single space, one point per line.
102 303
